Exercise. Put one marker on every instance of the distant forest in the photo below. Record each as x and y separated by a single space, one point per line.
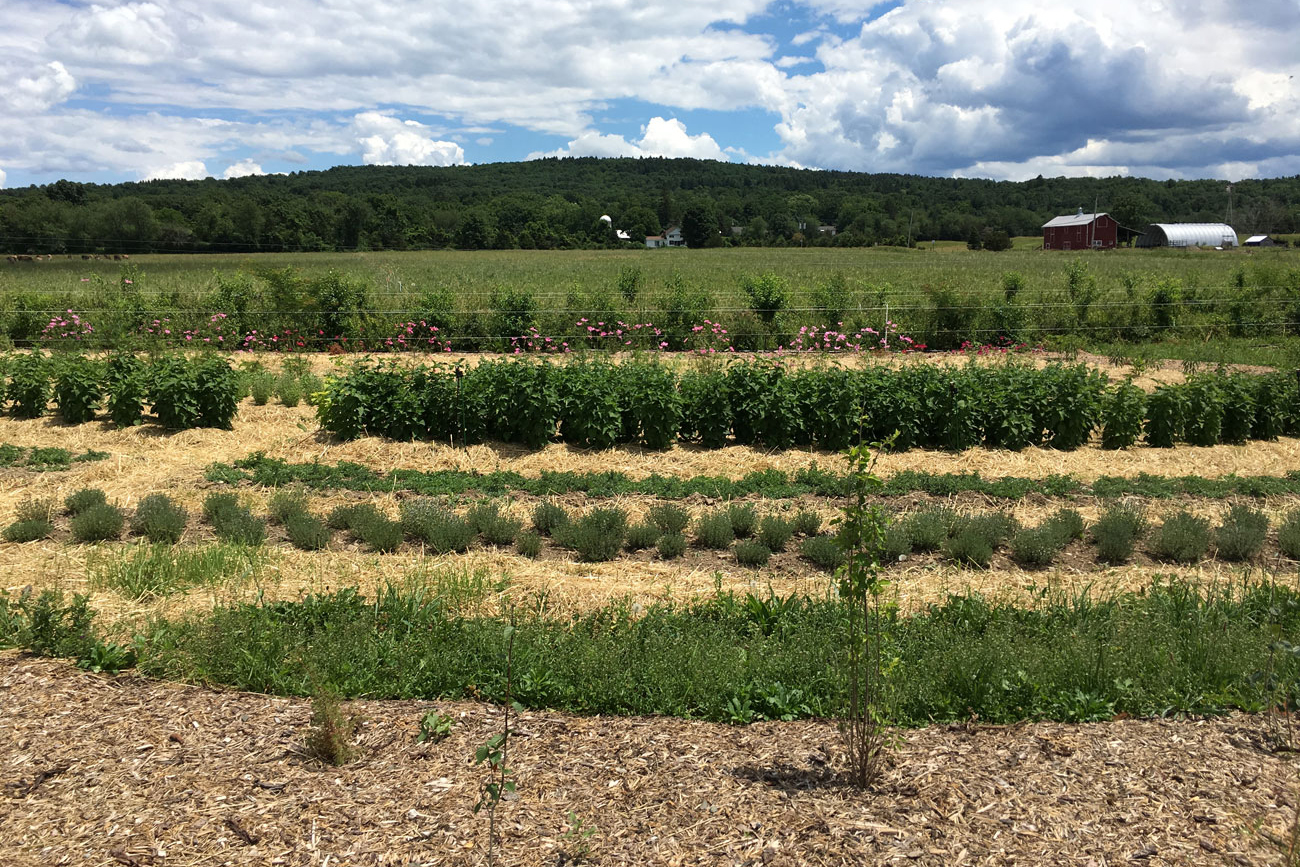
557 204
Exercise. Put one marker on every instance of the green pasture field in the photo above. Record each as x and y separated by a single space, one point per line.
553 273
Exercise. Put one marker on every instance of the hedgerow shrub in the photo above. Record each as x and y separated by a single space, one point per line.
1238 393
28 531
528 545
1122 416
159 519
79 501
261 386
1117 531
641 536
1035 546
1166 408
306 531
822 551
774 533
713 530
706 408
807 522
97 523
598 535
548 516
29 385
669 518
671 545
752 553
1182 538
495 528
744 519
218 390
78 388
285 503
1203 423
1241 534
598 403
127 389
173 392
437 528
969 547
1288 535
927 529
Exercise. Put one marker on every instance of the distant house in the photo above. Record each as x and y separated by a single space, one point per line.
1260 241
826 230
1085 232
671 238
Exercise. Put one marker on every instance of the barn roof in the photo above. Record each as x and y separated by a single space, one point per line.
1071 220
1257 239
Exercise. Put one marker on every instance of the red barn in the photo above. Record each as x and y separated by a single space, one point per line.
1084 232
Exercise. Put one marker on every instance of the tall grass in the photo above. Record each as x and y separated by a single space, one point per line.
153 571
1171 649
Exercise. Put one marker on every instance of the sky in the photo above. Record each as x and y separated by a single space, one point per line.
1007 89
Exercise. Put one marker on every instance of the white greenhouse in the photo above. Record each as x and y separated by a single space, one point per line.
1188 235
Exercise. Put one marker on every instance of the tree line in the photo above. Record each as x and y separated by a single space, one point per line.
557 204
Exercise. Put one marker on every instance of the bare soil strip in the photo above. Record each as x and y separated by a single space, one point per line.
127 771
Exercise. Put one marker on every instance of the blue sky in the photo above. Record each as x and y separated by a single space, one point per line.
109 91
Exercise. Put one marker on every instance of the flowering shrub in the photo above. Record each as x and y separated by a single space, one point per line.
67 326
709 338
215 331
284 340
533 341
817 339
416 336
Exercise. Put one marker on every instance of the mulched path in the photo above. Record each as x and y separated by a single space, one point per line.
99 770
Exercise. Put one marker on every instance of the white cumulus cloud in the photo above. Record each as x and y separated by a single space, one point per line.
47 86
187 170
388 141
242 169
2 179
660 137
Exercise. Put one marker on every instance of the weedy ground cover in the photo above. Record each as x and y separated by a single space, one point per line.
45 458
1168 650
769 483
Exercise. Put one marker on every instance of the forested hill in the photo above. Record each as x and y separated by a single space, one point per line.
558 203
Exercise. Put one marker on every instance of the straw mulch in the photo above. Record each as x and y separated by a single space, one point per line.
144 459
127 771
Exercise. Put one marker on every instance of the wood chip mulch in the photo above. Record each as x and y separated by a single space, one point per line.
98 770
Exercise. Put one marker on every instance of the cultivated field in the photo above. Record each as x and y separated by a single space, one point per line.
1087 630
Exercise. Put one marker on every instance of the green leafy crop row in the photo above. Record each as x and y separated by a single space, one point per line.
597 404
182 391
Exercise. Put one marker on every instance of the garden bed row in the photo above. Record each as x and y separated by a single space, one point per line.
597 404
605 533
